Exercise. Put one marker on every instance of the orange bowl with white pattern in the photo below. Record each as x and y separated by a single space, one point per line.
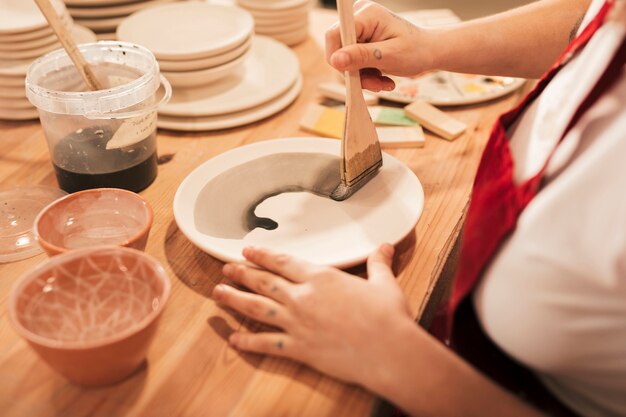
91 313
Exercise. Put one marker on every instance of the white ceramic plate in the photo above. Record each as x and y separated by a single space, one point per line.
18 16
113 10
442 88
105 24
204 63
99 3
186 79
18 114
14 68
293 38
187 30
269 70
227 121
282 28
311 227
15 103
29 53
29 44
273 5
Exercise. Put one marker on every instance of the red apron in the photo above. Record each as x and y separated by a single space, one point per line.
497 202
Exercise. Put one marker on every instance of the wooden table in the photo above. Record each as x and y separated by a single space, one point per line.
191 370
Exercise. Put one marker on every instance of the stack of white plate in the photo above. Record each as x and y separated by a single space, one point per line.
268 82
103 16
196 43
286 21
25 36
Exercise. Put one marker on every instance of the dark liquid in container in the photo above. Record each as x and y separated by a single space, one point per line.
81 161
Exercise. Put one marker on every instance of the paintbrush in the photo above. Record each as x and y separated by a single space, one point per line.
68 43
361 157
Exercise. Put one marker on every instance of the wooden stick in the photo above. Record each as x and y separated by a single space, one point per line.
361 156
68 43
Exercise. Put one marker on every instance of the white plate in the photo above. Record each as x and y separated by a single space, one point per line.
203 77
20 16
227 121
113 10
280 28
98 3
442 88
106 24
11 68
29 53
15 103
29 44
269 70
187 30
280 15
204 63
272 5
18 114
11 81
311 227
294 37
13 92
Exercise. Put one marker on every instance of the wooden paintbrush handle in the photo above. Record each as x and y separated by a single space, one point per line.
68 43
348 37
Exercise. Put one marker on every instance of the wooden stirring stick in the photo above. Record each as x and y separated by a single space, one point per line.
360 150
68 43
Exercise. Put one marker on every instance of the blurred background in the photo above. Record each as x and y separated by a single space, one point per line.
465 9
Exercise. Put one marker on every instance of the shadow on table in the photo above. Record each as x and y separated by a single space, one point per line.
192 267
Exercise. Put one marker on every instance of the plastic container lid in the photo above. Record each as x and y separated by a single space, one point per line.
102 102
18 209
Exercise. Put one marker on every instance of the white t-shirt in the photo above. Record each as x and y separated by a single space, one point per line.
554 298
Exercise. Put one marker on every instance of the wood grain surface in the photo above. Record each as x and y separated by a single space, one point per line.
191 371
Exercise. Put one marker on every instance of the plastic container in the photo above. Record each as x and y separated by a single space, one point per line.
104 138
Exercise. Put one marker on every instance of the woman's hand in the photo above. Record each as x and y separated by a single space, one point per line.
337 323
385 42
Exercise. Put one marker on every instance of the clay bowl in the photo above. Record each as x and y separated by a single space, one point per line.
97 217
91 313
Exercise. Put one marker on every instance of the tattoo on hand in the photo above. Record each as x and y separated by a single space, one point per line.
378 54
279 344
271 312
274 288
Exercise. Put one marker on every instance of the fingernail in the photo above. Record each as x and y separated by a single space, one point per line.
218 291
340 59
228 269
388 249
247 251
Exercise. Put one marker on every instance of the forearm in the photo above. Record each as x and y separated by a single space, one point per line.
425 378
522 42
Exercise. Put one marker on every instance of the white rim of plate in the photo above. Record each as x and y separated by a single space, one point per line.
205 76
180 47
272 5
18 114
462 101
227 121
27 45
274 77
99 12
18 68
205 63
26 19
184 208
100 3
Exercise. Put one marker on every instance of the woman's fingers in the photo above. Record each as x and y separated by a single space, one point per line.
254 306
379 264
373 80
293 269
261 282
279 344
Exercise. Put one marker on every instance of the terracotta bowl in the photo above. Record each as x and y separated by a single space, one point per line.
97 217
91 313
